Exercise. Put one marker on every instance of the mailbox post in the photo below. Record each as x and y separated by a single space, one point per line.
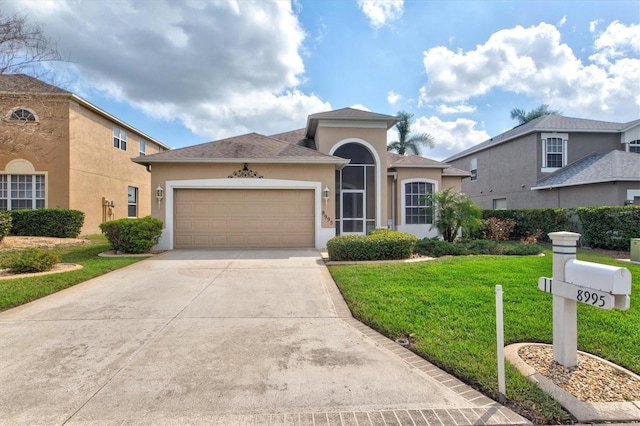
573 281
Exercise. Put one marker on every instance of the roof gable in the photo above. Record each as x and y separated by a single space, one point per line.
24 84
547 123
347 114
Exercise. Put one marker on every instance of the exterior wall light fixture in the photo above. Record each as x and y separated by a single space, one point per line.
159 194
325 196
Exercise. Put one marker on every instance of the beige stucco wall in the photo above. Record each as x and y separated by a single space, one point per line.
328 137
43 144
323 173
97 170
74 146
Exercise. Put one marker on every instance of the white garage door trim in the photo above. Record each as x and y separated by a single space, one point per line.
322 235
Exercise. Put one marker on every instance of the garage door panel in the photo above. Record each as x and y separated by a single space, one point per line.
243 218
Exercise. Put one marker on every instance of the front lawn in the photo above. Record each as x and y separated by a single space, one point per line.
15 292
448 305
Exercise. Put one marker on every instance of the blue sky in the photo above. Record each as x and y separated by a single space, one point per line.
186 72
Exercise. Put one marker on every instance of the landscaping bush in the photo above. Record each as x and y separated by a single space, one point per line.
528 221
31 260
498 229
5 224
133 235
610 228
435 247
60 223
380 244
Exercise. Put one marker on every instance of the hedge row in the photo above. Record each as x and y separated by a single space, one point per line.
5 224
436 247
529 220
380 244
60 223
609 227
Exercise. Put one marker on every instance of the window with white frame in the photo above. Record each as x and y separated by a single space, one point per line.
554 151
499 203
119 138
634 146
473 168
143 147
132 201
417 208
22 192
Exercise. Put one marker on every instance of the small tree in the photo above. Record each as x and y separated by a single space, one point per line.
408 142
454 212
526 116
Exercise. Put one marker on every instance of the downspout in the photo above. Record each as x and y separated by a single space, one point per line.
393 199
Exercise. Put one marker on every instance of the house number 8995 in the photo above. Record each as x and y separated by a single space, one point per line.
590 297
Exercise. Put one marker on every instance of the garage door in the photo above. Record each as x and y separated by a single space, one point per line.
253 218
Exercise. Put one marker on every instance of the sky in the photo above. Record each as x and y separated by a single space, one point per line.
190 71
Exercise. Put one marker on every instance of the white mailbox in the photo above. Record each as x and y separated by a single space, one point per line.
610 279
602 286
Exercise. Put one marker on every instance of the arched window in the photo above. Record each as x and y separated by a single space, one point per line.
22 114
356 190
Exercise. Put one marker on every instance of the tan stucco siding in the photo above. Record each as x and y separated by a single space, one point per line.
44 144
452 182
323 173
97 169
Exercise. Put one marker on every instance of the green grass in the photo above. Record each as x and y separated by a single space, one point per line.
449 305
15 292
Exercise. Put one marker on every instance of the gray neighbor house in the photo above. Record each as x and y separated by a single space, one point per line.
555 161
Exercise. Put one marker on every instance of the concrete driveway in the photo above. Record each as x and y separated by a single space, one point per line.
218 337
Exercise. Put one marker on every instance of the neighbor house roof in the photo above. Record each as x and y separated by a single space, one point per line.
24 85
595 168
347 114
251 147
548 123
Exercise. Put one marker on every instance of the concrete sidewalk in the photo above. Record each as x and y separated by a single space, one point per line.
218 337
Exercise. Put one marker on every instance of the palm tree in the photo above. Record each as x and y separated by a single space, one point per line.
524 117
408 142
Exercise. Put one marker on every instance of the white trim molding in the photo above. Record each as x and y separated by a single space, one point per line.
322 235
422 230
379 167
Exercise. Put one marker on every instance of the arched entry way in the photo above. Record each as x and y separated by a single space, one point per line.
355 190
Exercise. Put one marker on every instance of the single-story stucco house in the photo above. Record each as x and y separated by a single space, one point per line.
294 189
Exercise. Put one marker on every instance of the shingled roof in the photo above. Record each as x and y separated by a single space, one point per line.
296 137
23 84
250 147
548 123
347 114
595 168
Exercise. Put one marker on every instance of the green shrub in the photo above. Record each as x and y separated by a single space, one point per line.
133 235
31 260
5 224
528 221
610 228
60 223
378 245
521 249
435 247
483 246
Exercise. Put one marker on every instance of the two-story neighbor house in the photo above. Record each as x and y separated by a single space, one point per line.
555 161
295 189
58 150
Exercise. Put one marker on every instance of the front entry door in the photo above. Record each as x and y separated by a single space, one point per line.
353 218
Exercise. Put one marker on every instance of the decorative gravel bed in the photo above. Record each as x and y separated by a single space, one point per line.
590 381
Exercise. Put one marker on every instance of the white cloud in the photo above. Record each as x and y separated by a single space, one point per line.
562 22
220 67
360 107
451 136
533 62
393 97
455 109
380 12
594 24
